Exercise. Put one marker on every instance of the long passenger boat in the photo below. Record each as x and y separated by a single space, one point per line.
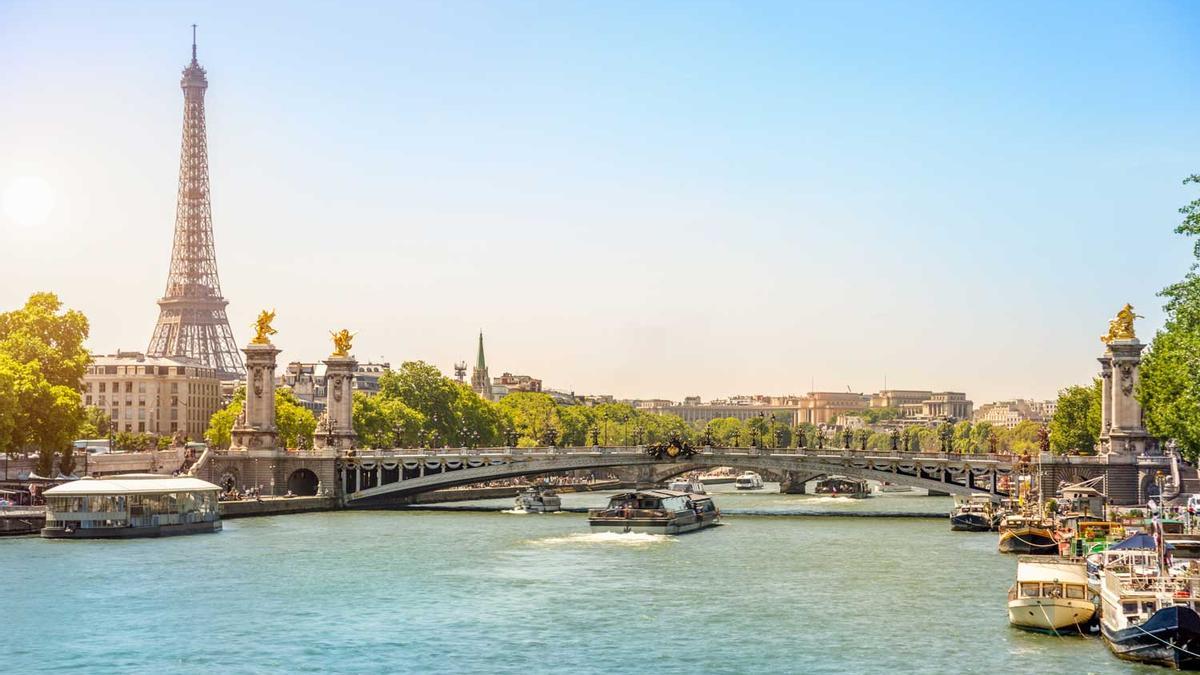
843 486
655 512
133 505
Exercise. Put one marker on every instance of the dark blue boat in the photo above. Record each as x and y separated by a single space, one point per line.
1170 637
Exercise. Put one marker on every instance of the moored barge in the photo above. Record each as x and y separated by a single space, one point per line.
1028 535
976 513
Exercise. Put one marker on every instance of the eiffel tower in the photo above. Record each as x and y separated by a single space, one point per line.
192 320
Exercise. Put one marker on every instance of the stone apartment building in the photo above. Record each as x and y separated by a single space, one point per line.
307 381
1010 413
156 395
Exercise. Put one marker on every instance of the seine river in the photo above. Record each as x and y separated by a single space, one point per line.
426 591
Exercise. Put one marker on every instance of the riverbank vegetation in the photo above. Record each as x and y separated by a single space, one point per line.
42 363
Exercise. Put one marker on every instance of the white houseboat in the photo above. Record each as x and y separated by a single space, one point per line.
132 505
1051 596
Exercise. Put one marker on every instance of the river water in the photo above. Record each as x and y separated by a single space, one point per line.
427 591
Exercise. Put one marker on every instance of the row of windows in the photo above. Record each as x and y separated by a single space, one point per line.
142 427
150 370
207 402
192 387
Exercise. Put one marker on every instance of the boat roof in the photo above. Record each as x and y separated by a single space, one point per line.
132 484
661 494
1062 571
1138 542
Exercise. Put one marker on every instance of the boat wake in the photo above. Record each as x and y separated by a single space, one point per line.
516 512
606 538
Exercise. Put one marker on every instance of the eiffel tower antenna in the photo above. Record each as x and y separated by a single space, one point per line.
192 320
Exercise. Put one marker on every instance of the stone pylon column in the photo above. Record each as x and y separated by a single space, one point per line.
335 431
1105 400
1125 432
255 428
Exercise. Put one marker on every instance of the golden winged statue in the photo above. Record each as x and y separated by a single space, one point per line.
341 342
1121 328
262 328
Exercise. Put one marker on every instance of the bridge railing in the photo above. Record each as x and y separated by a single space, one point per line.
551 451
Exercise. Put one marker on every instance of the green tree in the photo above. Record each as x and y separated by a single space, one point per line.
96 423
477 421
726 432
1075 426
44 416
1023 438
423 388
1169 383
964 440
576 422
42 333
42 361
383 422
66 461
294 423
806 435
531 414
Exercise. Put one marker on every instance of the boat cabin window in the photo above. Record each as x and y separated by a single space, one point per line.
1149 607
1129 608
1029 590
1052 590
1075 592
674 503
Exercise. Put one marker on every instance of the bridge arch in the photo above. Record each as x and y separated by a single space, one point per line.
956 475
303 483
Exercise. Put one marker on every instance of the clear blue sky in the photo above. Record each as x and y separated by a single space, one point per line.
643 199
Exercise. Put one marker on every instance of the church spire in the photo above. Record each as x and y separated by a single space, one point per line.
480 381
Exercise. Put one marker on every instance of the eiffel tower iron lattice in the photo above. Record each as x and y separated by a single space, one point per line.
192 320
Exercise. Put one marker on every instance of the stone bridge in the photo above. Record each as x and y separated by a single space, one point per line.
375 478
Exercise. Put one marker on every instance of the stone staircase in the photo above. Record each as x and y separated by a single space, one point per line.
1189 484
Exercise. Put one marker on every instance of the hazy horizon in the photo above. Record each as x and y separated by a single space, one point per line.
639 200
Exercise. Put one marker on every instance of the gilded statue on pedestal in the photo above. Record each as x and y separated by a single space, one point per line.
262 328
341 342
1121 328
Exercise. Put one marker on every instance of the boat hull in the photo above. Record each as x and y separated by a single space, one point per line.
130 532
971 522
1028 541
1051 615
651 525
1170 637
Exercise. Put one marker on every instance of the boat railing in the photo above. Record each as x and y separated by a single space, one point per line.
627 513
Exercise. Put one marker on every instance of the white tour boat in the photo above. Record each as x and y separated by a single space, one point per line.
538 499
748 481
